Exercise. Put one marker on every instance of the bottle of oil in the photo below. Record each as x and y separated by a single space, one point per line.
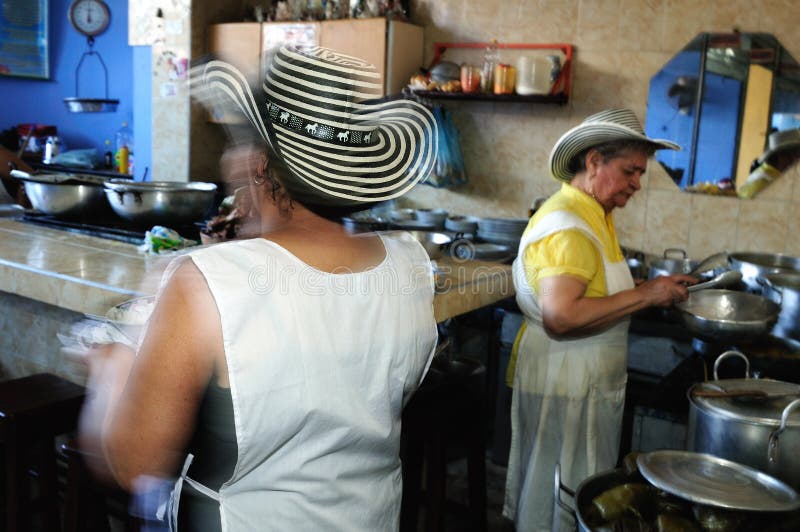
491 58
124 150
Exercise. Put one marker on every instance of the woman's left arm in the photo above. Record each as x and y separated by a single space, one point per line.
145 406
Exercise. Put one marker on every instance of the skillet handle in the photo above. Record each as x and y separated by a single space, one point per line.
728 354
559 487
772 447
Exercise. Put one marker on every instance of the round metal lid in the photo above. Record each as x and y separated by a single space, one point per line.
706 479
758 411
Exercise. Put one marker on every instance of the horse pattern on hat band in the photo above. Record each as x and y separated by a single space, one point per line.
287 119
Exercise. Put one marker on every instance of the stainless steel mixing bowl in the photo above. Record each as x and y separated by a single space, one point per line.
160 202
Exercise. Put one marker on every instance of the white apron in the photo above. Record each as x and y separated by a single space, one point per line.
568 396
320 367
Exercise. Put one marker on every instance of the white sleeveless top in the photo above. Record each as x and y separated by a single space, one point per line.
320 367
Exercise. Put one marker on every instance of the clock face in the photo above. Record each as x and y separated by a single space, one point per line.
90 17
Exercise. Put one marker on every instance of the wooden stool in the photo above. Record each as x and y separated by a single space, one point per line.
33 411
447 412
87 504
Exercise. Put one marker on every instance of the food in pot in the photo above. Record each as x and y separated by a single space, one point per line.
627 499
668 522
718 519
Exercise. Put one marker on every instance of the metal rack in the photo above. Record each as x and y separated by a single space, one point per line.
559 94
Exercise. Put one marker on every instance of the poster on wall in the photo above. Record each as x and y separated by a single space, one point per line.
23 39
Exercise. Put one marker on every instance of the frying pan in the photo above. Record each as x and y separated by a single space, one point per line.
728 315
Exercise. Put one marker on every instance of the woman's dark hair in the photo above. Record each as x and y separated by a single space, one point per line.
612 150
284 199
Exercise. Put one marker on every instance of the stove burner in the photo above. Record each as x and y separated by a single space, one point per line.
116 230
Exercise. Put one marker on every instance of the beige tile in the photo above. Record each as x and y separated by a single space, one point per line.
780 17
742 14
667 224
599 25
543 21
598 83
762 225
781 189
684 19
713 225
792 246
642 26
630 221
659 179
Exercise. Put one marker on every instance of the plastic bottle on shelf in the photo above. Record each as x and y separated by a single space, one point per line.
124 150
491 58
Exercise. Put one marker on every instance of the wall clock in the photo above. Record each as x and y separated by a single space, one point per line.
90 17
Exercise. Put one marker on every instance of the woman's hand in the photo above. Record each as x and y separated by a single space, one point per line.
666 290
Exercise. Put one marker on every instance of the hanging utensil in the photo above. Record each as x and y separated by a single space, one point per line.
77 104
710 263
724 279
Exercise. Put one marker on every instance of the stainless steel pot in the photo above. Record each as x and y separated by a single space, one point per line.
587 490
671 266
784 289
160 202
728 315
755 265
65 195
761 433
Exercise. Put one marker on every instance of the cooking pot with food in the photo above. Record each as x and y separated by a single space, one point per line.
680 490
755 422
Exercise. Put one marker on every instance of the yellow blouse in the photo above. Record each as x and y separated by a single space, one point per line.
570 252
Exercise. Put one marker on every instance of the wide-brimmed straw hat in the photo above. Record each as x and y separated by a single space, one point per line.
319 112
605 126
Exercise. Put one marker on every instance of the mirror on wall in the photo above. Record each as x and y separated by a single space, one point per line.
732 101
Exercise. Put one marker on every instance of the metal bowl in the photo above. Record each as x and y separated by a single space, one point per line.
91 105
728 315
65 195
160 202
754 265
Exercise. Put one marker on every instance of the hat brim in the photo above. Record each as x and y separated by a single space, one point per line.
584 136
400 152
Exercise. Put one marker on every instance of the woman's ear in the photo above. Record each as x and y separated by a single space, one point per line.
593 161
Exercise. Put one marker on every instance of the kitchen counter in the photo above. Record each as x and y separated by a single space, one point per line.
49 278
89 275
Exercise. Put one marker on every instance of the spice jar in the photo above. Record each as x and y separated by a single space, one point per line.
504 78
470 78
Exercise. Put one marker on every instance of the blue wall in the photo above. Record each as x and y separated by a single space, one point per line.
41 101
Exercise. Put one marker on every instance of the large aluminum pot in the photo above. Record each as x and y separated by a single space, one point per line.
728 315
65 195
671 266
761 432
784 289
435 244
160 202
755 265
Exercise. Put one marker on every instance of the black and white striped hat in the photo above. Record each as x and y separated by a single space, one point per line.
605 126
317 109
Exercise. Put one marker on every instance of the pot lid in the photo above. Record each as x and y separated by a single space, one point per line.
706 479
756 410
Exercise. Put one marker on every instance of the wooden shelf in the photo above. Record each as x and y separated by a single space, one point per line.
559 98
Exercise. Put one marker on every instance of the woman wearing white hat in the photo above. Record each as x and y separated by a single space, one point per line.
576 292
282 362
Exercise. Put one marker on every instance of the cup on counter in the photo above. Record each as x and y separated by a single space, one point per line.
504 78
470 78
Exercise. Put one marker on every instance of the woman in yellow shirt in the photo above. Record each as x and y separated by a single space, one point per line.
576 292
